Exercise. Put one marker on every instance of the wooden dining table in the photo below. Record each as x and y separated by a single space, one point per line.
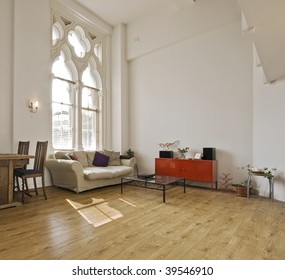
7 164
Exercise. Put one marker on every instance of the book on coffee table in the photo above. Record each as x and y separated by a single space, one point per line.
146 175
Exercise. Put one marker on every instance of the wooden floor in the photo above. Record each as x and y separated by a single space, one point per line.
103 224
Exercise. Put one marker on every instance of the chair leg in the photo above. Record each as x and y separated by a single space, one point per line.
43 186
26 183
35 185
16 185
23 191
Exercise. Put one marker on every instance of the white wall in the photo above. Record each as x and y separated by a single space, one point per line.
25 54
119 96
6 68
197 91
269 131
32 36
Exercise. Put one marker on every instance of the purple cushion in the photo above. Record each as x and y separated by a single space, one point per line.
100 160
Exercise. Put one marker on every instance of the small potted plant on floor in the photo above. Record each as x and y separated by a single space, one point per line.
241 189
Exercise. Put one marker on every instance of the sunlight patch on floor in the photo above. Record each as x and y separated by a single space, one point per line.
77 205
127 202
97 213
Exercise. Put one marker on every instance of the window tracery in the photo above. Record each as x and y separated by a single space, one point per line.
77 85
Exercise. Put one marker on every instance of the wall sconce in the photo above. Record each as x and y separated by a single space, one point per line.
34 106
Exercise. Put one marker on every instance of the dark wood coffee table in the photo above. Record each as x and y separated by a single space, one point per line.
156 182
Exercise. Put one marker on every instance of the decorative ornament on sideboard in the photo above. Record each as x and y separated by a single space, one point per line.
166 146
166 152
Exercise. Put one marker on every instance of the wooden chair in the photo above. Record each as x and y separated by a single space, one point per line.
37 171
23 149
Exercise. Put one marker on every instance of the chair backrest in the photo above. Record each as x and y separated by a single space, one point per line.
23 147
40 156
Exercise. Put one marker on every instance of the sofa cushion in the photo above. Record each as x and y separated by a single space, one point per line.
100 160
114 157
81 155
93 173
120 170
90 157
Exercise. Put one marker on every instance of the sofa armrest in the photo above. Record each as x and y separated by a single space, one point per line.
131 162
71 169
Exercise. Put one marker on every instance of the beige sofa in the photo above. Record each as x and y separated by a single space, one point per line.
80 175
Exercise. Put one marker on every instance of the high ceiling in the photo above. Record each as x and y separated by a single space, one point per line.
263 21
126 11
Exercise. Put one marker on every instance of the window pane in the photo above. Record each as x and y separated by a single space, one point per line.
61 69
89 129
78 40
61 126
62 114
61 92
88 78
89 99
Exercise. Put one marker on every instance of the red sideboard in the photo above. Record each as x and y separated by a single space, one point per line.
190 169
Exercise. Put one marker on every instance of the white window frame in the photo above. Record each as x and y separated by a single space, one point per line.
98 69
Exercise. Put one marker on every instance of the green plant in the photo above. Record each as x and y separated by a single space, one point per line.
269 174
130 153
183 151
265 172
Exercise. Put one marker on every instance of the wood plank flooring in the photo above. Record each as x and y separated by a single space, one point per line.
103 224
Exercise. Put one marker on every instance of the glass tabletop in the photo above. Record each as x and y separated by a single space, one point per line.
156 179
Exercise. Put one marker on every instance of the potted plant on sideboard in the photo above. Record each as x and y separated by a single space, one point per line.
182 152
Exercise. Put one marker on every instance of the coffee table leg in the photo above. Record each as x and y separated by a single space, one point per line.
163 193
184 185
